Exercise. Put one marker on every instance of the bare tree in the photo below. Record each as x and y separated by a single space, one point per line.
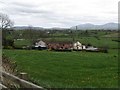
5 22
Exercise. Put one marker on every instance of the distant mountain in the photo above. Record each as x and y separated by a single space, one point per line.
88 26
58 28
27 27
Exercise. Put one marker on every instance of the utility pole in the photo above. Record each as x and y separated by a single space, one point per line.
76 28
72 36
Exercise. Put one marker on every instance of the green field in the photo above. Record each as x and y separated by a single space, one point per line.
68 69
93 37
98 42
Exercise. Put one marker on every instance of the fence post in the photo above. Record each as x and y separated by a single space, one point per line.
24 75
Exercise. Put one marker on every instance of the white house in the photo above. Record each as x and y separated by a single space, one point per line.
83 47
40 44
77 46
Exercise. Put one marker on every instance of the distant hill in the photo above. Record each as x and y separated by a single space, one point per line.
89 26
27 27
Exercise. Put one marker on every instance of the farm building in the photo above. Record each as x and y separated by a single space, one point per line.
60 46
91 48
83 47
40 45
64 46
77 46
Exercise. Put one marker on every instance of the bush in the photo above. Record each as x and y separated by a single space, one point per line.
8 43
8 47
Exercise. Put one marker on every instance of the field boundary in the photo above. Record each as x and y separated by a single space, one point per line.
21 82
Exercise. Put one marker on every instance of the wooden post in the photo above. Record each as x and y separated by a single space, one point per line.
21 82
24 75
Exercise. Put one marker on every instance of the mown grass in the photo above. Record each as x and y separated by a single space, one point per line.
68 69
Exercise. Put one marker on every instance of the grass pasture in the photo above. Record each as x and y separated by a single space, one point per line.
98 42
68 69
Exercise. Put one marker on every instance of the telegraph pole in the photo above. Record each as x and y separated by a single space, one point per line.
76 28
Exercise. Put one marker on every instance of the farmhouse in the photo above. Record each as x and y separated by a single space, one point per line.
77 46
83 47
40 45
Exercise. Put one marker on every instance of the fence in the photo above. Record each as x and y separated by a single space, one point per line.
21 82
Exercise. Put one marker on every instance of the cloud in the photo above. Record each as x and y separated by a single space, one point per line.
23 4
31 11
60 13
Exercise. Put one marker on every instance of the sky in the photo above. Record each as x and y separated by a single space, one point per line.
60 13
